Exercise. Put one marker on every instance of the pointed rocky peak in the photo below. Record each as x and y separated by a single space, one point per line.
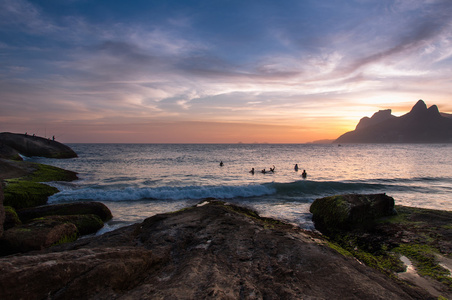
419 107
434 111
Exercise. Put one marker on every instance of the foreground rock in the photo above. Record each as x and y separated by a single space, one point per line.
36 235
211 251
78 208
13 143
379 238
344 212
48 225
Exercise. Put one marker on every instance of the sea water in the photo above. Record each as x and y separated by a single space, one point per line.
137 181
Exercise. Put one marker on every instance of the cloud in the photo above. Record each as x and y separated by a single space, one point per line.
278 64
24 15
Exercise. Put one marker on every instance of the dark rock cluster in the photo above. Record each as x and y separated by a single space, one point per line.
45 226
211 251
378 233
26 223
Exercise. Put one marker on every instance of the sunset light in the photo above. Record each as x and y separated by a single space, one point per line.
217 72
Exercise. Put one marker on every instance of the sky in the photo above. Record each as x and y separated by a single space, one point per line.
217 71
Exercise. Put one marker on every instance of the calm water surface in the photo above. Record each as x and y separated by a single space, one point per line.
139 180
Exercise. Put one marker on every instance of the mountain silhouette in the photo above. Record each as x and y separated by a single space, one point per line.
420 125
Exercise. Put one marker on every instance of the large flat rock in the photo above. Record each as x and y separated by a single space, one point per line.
33 146
213 251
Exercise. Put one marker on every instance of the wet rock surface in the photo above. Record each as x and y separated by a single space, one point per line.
214 251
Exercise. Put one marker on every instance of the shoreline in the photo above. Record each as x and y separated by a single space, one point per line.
436 291
211 250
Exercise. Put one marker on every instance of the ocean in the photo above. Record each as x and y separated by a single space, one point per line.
137 181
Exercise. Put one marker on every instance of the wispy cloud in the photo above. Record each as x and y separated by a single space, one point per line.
214 62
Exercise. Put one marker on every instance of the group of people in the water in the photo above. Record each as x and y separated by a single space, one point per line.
272 170
263 171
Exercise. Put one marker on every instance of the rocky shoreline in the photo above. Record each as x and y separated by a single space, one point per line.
26 221
216 250
213 250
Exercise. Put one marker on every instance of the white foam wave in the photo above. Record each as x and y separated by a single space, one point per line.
162 193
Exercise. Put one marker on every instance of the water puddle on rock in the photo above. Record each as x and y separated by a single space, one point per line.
412 276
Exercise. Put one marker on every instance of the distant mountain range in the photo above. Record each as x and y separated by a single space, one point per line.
420 125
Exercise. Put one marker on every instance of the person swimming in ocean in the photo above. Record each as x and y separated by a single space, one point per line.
221 163
304 174
272 169
263 171
252 171
296 168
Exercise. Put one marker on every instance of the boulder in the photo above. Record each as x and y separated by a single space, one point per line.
86 224
36 235
36 146
23 194
7 152
77 208
11 218
24 187
345 212
213 251
99 273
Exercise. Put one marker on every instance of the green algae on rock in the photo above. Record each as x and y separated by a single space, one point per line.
23 194
11 218
29 191
422 235
36 235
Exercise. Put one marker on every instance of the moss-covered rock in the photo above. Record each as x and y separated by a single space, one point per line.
77 208
23 194
344 212
86 224
29 191
45 173
36 235
424 236
11 218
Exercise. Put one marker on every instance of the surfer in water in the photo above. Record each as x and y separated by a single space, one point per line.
272 169
296 168
304 174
